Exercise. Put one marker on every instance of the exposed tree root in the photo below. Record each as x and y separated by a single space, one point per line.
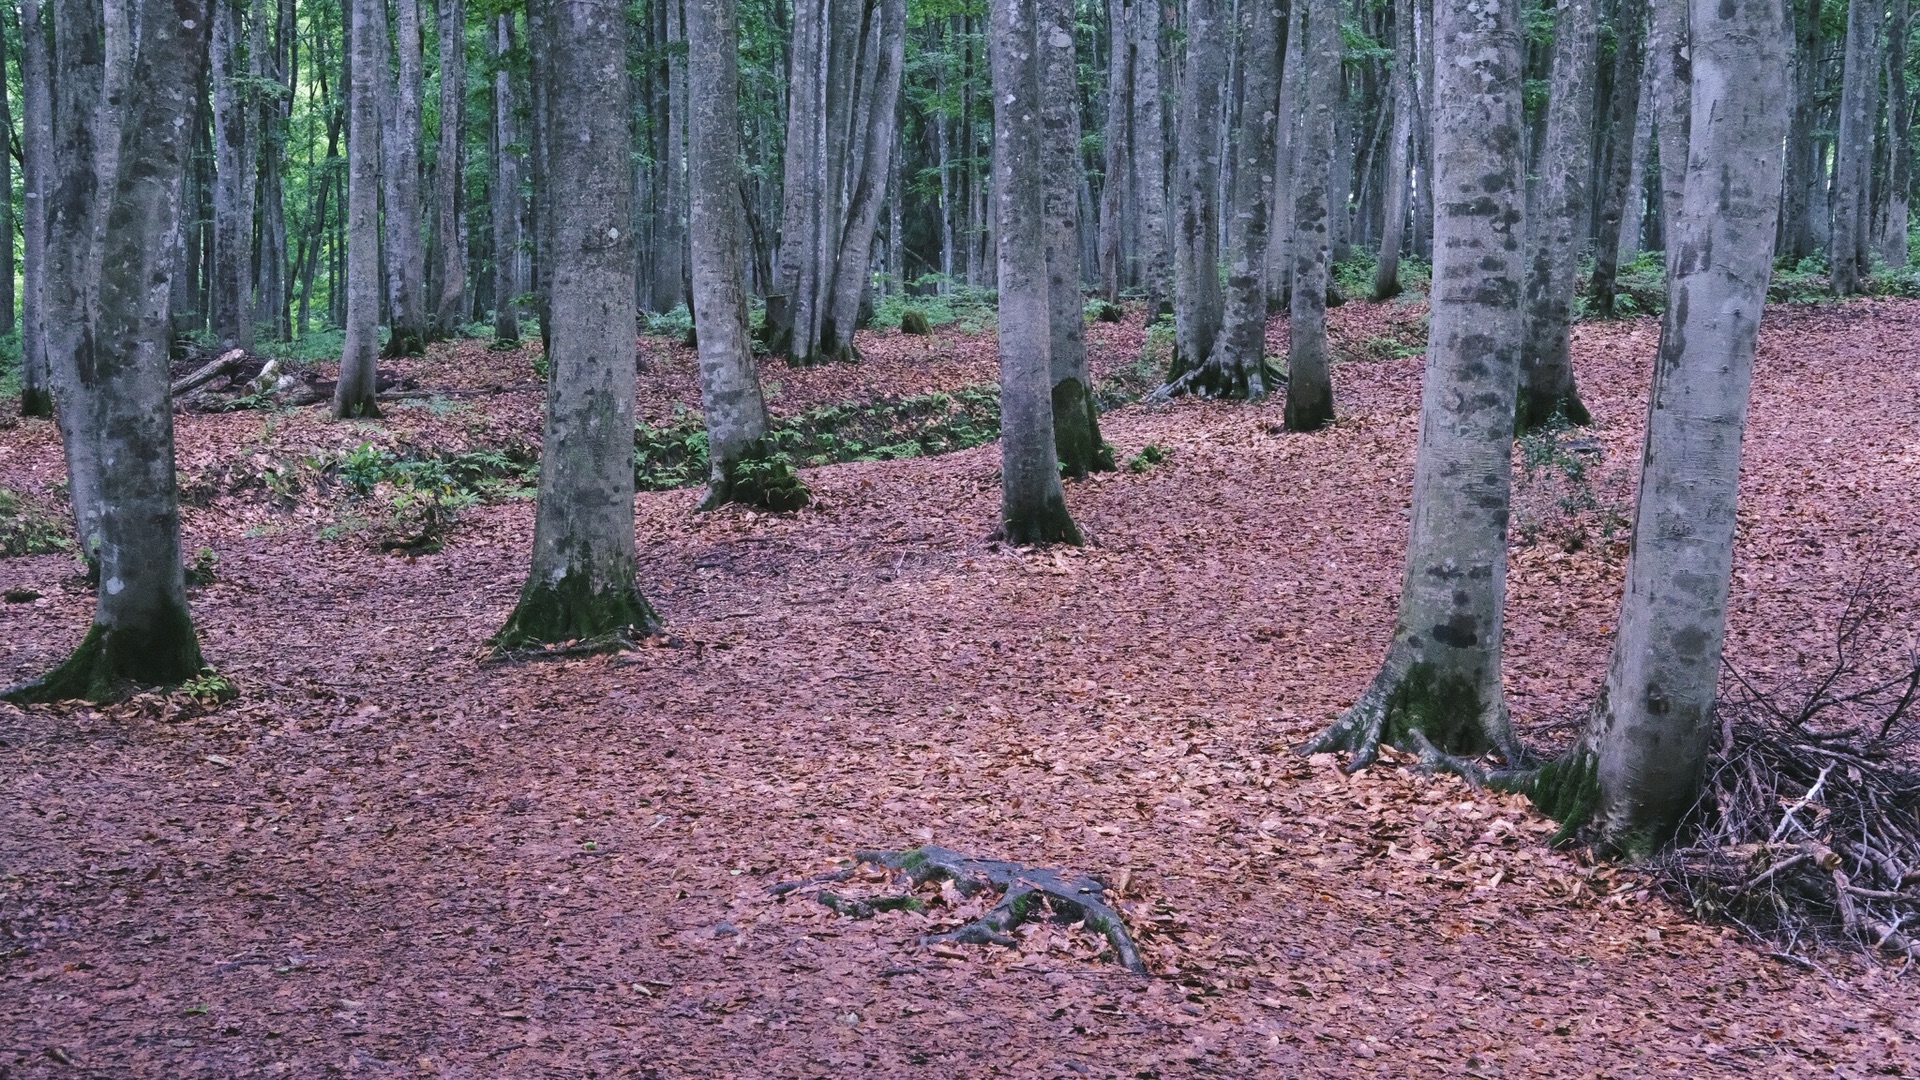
1025 892
1217 378
1423 711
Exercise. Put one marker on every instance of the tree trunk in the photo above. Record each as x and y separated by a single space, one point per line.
868 160
36 142
1645 747
1237 367
1899 178
1118 151
1439 684
1149 178
1076 426
353 396
123 121
1629 54
1198 304
1547 388
1803 172
1853 156
1285 158
509 277
269 282
233 183
581 586
1033 506
669 288
1309 380
7 314
1393 225
447 169
400 146
1423 89
1633 211
1672 88
736 414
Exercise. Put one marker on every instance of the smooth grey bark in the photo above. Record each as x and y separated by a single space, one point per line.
36 143
1804 152
668 289
233 183
843 105
1630 49
581 585
1547 388
1633 212
269 282
1118 150
1076 426
1237 366
1672 89
1149 179
353 396
730 399
509 261
8 315
1898 182
1198 303
118 164
1285 159
1848 240
1033 506
1646 743
1309 378
452 259
400 149
1423 128
1393 225
1439 685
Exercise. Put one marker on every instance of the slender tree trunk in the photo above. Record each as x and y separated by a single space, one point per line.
1899 178
1198 304
36 141
7 314
669 288
400 147
1309 379
1672 89
1237 367
736 414
1629 55
1547 388
1150 159
1118 150
1633 211
1645 747
269 308
1033 506
1286 159
353 396
123 133
1853 156
447 169
233 183
1386 276
1803 172
581 584
1423 89
868 160
1440 684
509 282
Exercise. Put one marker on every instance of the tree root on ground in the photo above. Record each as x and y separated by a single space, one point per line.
1217 378
1025 892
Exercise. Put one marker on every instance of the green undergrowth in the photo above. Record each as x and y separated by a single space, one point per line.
27 527
1641 285
967 307
10 366
1353 275
1557 497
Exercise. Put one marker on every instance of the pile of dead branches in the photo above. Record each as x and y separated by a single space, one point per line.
1809 831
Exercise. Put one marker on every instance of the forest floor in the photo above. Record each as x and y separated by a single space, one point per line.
386 859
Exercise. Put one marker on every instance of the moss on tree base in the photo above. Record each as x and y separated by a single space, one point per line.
1533 412
574 610
1566 789
1076 431
759 477
113 661
1218 378
1049 525
36 402
1436 714
1308 410
404 343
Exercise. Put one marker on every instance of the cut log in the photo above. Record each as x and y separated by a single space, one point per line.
227 365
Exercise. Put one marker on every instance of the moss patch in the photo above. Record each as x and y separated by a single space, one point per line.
1076 431
112 661
1443 706
575 610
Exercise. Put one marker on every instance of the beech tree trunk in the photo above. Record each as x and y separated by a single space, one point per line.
233 183
1198 304
400 146
509 261
1439 685
1646 743
1285 158
868 160
353 396
1076 425
1114 188
7 255
1672 84
669 287
1393 225
581 584
36 142
730 399
1899 177
1629 55
1847 244
1033 506
1237 366
1547 387
1309 378
452 259
1149 179
122 122
1804 175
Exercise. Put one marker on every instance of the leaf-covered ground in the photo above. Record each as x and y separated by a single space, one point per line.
388 860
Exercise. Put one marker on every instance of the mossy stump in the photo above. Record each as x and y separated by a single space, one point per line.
915 323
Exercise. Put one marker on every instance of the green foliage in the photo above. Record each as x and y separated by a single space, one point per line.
1150 455
764 478
28 528
1554 497
676 324
210 688
971 309
204 568
1799 282
314 345
415 500
10 364
1639 286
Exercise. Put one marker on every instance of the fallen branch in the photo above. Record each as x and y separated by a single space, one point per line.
226 365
